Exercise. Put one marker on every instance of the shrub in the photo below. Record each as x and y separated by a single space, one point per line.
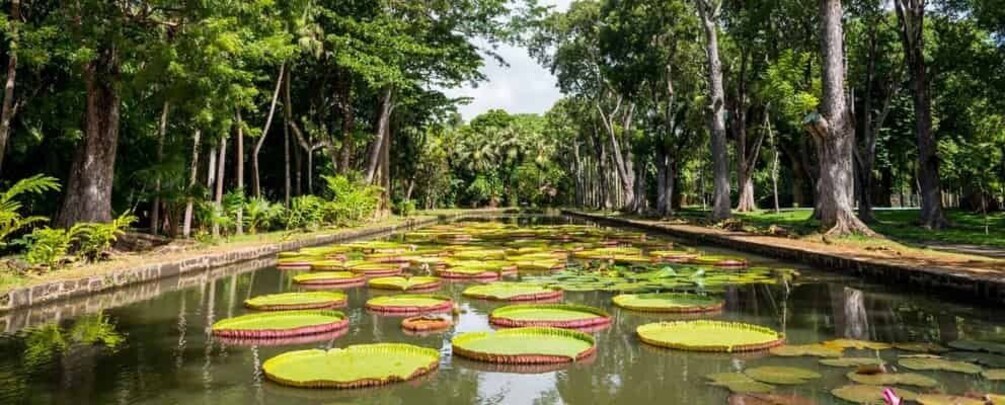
306 212
11 220
94 240
260 214
352 200
48 247
406 208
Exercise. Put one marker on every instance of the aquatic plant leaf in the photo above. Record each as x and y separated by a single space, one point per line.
913 379
329 278
781 375
921 347
816 350
869 394
668 302
768 399
524 345
280 324
996 374
556 315
409 303
354 366
856 344
709 336
852 362
404 284
985 359
738 383
978 346
941 399
505 291
297 300
939 364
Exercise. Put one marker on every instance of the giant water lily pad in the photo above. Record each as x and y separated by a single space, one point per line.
720 261
781 375
857 344
370 269
816 350
996 374
941 399
525 345
978 346
709 336
297 300
410 304
738 383
512 292
330 279
352 367
869 394
554 315
404 283
668 302
921 347
281 324
852 362
769 399
937 363
913 379
983 358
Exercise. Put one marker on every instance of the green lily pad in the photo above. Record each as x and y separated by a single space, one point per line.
668 302
869 394
352 367
410 303
503 291
857 344
816 350
941 399
996 374
852 362
781 375
978 346
553 315
296 300
280 324
709 336
916 363
524 345
404 284
921 347
738 383
982 358
329 278
913 379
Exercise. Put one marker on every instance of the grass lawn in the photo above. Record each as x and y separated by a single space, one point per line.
896 224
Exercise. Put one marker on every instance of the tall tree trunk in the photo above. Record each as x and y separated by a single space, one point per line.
343 100
774 159
709 11
239 225
192 179
287 121
221 167
911 15
88 196
265 131
621 161
155 210
834 131
383 127
662 185
7 110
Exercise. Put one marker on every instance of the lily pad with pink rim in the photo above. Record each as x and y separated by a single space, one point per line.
352 367
532 345
505 291
333 279
410 304
297 300
281 324
550 315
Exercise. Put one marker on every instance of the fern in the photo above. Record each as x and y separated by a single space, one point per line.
11 220
95 240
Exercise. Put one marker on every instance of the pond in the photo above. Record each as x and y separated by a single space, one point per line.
162 351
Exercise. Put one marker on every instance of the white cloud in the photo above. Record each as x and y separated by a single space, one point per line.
522 87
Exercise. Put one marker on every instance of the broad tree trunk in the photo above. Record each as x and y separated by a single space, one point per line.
265 131
240 173
7 110
155 210
221 167
192 179
622 161
343 100
834 131
383 127
911 15
88 196
709 11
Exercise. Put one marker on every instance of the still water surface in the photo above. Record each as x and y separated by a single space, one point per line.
160 351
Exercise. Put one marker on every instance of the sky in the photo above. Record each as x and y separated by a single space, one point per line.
522 87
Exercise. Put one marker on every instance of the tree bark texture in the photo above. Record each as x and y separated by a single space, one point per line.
709 11
834 131
221 167
383 127
343 101
911 15
239 175
155 210
7 109
88 196
192 180
265 132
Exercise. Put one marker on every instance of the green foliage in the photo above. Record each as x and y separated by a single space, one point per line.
94 240
352 201
306 212
406 208
11 219
48 247
260 214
